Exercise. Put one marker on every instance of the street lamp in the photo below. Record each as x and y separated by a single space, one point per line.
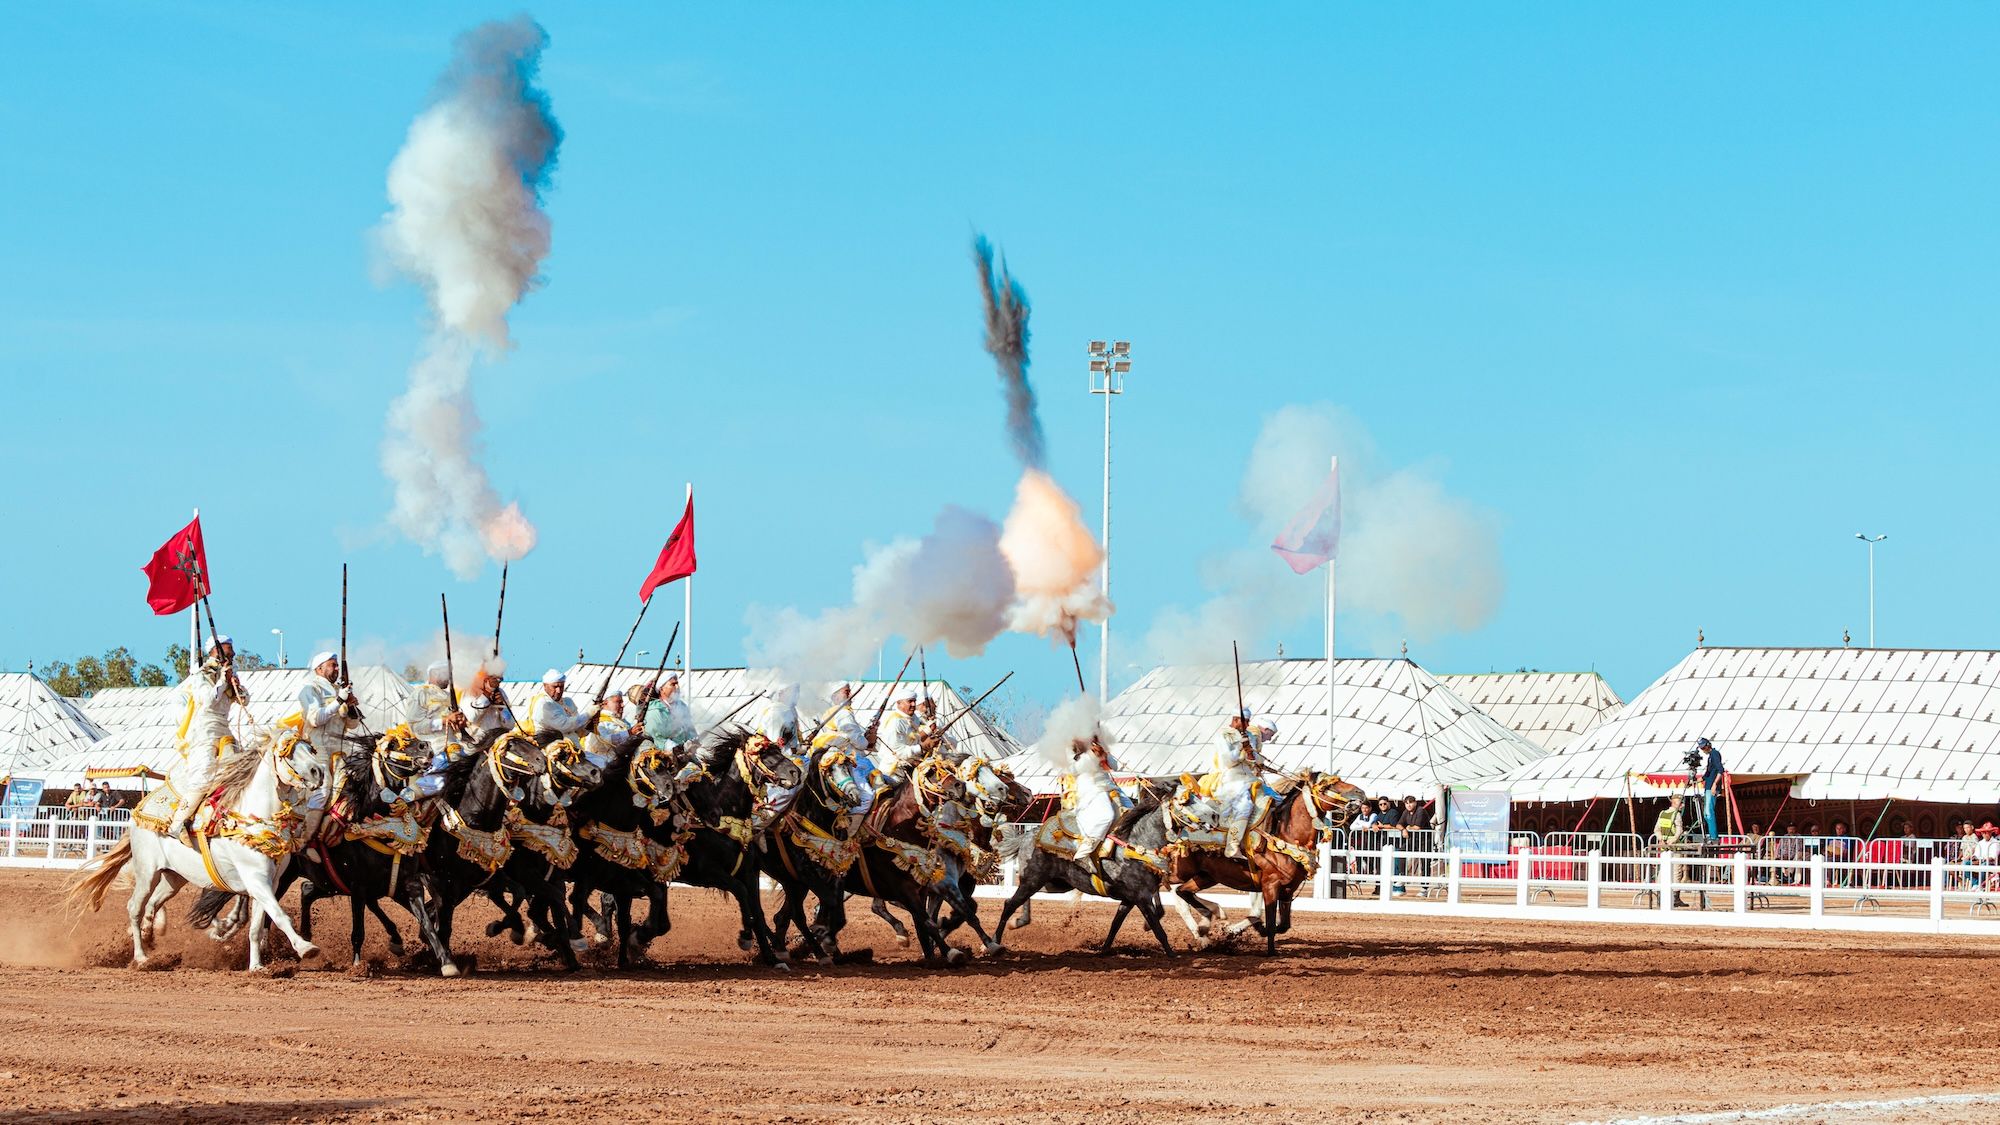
1109 364
1871 540
280 634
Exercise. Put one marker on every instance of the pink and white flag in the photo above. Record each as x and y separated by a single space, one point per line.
1312 539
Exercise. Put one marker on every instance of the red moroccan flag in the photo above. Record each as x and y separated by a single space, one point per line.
676 558
178 574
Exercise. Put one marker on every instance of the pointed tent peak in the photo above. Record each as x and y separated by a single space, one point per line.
37 725
1550 709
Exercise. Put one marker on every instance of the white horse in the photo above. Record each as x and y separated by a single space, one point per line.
261 789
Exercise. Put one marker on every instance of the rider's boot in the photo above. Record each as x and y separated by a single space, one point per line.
1086 848
1234 829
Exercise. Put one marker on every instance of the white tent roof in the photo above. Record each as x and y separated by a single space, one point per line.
1398 729
37 726
712 693
1549 709
143 721
1914 724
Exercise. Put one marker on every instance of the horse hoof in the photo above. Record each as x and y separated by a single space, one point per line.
361 970
578 945
449 970
494 927
995 949
956 957
527 933
903 940
1017 923
308 952
396 947
744 943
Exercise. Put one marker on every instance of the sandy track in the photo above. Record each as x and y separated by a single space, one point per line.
1358 1019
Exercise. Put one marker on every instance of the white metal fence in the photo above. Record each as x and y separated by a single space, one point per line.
61 837
1819 883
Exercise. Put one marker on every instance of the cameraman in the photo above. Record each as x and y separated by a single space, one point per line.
1711 775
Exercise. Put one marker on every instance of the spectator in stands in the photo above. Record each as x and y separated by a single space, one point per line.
1790 848
78 797
107 798
1386 815
1988 852
1415 815
1840 849
1753 846
1963 853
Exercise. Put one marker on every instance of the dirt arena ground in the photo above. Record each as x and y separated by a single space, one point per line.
1357 1020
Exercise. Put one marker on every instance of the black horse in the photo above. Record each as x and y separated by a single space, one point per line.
469 847
614 856
1129 880
713 822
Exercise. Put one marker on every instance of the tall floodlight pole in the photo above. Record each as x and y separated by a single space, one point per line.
1109 364
1871 540
280 634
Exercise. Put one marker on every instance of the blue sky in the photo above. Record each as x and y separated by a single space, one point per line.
1685 298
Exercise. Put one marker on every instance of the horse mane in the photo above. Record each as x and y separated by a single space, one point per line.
1140 810
360 775
232 775
458 775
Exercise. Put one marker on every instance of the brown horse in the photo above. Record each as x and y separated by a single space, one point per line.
1281 859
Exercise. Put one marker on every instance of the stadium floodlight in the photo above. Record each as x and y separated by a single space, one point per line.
280 634
1871 540
1107 378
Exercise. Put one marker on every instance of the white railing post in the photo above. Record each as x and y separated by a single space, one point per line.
1452 886
1521 862
1388 873
1322 887
13 837
1666 881
1937 888
1817 890
1593 887
1739 876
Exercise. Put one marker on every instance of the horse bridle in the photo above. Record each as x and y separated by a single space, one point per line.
393 767
511 768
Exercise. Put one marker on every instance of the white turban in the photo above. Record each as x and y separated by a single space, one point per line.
1264 724
908 694
218 640
322 658
438 673
1246 714
553 677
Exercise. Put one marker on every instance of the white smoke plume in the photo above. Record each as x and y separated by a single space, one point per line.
1412 557
466 223
1055 560
1070 720
470 652
953 586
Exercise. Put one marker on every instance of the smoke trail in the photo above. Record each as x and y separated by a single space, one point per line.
1007 342
466 223
1414 559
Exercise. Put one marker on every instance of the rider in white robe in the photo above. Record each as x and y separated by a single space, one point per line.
210 692
438 726
552 712
777 723
610 734
846 759
326 713
1091 791
896 747
1238 768
487 709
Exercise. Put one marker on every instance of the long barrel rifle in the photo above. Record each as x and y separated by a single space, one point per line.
875 726
974 705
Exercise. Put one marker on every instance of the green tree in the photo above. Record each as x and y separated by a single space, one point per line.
177 660
117 668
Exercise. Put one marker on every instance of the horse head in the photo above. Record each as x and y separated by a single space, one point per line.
395 762
515 761
569 771
1332 802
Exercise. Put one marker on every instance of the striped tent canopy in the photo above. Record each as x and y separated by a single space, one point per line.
1397 729
1837 723
37 726
1549 709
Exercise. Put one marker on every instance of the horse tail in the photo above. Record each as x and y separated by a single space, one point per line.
208 907
1015 843
94 879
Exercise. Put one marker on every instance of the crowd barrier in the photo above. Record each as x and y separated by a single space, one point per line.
1818 883
61 837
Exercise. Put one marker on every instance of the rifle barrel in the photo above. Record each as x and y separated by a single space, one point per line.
974 705
450 674
500 617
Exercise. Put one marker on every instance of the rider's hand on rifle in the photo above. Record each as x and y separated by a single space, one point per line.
455 721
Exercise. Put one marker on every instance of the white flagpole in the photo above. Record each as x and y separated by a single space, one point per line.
194 622
1330 745
687 619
